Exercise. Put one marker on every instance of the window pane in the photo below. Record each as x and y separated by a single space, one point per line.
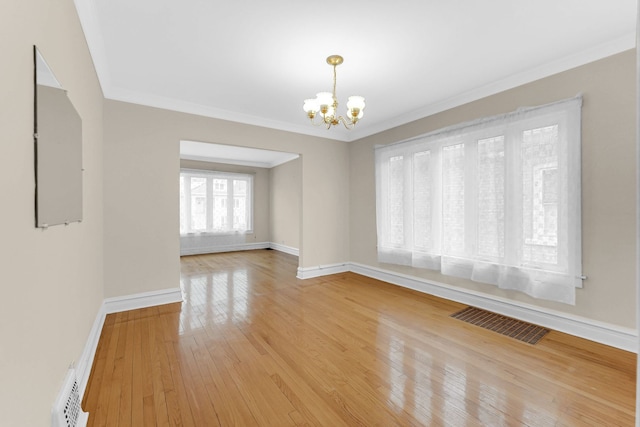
198 204
219 204
239 187
491 214
396 204
549 200
540 195
453 199
422 220
220 186
239 204
219 211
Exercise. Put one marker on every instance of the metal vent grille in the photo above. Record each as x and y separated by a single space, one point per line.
67 411
504 325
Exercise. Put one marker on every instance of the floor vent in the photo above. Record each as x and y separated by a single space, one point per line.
67 411
513 328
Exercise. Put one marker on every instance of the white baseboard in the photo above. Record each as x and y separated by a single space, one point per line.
225 248
142 300
85 363
240 247
321 270
286 249
601 332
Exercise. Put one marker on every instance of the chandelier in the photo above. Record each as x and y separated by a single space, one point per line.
326 104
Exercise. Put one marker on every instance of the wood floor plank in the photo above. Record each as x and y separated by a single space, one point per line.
178 375
229 401
298 392
202 407
251 345
126 390
146 372
159 399
137 380
116 382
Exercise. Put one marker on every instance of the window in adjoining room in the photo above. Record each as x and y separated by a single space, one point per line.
215 202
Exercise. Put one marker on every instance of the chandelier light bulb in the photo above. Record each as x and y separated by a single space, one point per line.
355 102
311 105
355 107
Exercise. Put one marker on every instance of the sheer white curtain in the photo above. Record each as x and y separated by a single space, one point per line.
495 201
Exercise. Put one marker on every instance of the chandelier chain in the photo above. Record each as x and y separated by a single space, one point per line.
334 82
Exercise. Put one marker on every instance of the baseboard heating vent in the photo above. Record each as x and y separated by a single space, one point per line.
67 411
504 325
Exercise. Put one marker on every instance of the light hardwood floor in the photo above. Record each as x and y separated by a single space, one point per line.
253 345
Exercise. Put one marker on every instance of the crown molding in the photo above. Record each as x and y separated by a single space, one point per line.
87 14
592 54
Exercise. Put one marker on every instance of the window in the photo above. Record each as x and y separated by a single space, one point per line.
495 201
215 202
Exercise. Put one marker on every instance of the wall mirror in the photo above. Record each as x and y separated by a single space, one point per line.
58 150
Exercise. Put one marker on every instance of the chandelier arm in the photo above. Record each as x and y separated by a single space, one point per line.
347 124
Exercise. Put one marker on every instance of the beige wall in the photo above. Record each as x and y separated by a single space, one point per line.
286 195
51 279
608 184
141 160
261 196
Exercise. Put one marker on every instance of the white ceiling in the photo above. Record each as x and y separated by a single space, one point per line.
255 61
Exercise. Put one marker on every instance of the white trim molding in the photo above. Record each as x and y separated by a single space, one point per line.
286 249
85 363
226 248
240 247
592 54
322 270
142 300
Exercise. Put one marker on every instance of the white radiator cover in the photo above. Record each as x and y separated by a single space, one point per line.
67 410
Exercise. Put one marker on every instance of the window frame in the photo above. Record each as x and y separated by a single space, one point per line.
213 190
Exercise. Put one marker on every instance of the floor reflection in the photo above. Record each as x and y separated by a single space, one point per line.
397 377
438 388
410 390
218 298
